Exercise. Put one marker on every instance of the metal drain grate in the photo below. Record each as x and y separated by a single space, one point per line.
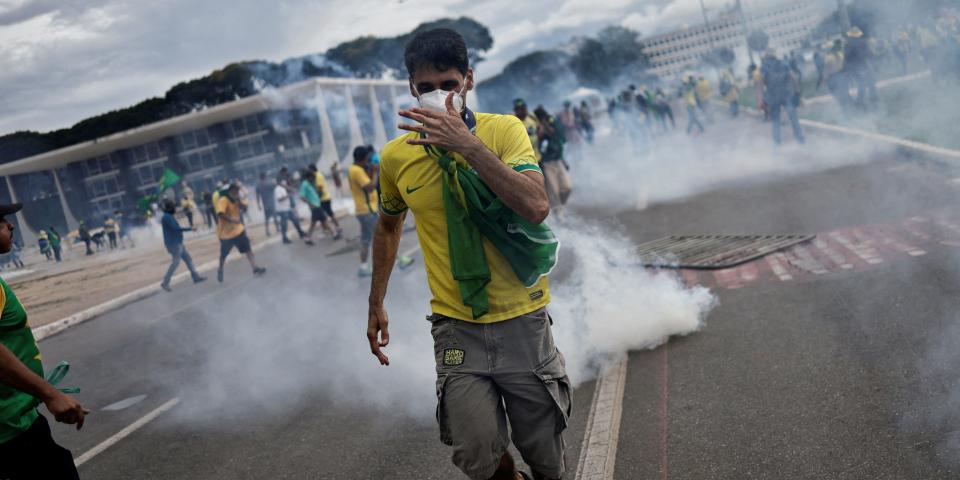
712 252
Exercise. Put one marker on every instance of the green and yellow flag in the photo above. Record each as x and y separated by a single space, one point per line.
168 180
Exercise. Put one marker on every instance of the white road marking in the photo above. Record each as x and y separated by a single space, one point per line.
598 452
129 429
125 403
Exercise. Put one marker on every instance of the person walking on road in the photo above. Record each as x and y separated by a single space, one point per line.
27 448
552 162
325 199
690 99
173 240
363 186
266 202
309 194
110 229
780 92
231 231
43 243
85 236
54 238
281 198
496 359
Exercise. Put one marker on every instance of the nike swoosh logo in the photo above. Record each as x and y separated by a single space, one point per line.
411 190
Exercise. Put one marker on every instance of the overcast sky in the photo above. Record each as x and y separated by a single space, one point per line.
65 60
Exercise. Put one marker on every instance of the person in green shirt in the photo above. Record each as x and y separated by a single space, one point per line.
27 448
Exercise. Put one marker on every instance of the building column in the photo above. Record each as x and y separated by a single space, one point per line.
72 223
27 235
328 154
223 150
379 134
356 137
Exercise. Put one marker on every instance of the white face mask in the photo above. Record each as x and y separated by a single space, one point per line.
436 100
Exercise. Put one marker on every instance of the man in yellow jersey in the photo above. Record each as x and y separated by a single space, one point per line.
363 185
27 450
231 231
497 363
325 200
530 123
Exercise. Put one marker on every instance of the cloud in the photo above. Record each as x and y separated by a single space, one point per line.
65 61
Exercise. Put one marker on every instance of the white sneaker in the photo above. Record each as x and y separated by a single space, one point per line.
364 272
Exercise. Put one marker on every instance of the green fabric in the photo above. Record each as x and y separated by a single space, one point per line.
473 210
468 262
18 410
168 180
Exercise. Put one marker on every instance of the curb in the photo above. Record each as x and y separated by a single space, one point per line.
909 147
53 328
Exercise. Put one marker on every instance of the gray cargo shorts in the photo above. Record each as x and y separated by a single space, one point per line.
489 374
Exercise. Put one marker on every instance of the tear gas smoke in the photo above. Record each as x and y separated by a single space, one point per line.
307 336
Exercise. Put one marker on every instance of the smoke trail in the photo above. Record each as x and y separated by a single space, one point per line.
610 304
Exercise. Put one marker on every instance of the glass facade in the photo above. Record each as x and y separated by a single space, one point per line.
241 148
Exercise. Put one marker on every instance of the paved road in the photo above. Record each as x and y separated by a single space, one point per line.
848 374
844 374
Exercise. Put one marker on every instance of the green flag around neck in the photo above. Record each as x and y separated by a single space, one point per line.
473 212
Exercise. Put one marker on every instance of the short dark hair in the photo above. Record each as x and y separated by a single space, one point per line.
440 48
361 153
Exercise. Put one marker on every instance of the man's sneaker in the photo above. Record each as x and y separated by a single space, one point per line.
199 279
404 262
166 287
259 271
287 241
220 276
338 235
364 272
308 242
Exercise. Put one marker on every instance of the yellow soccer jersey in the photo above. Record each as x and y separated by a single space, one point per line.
364 201
532 125
410 178
321 184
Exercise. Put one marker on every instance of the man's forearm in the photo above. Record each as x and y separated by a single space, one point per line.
14 373
386 242
523 194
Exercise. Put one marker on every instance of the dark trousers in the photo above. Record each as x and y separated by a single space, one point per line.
282 218
208 217
112 236
87 241
692 120
791 115
33 454
189 214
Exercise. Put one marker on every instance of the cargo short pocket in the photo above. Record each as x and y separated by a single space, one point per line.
447 351
445 436
553 374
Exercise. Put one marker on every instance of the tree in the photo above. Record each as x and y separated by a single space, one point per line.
758 40
362 57
615 51
720 57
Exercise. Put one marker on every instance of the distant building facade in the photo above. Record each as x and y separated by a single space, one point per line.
674 53
318 121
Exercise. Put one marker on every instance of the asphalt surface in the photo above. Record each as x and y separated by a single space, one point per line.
846 376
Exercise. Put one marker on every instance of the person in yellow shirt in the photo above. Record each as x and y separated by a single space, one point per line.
326 201
231 231
527 384
530 123
363 178
704 96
